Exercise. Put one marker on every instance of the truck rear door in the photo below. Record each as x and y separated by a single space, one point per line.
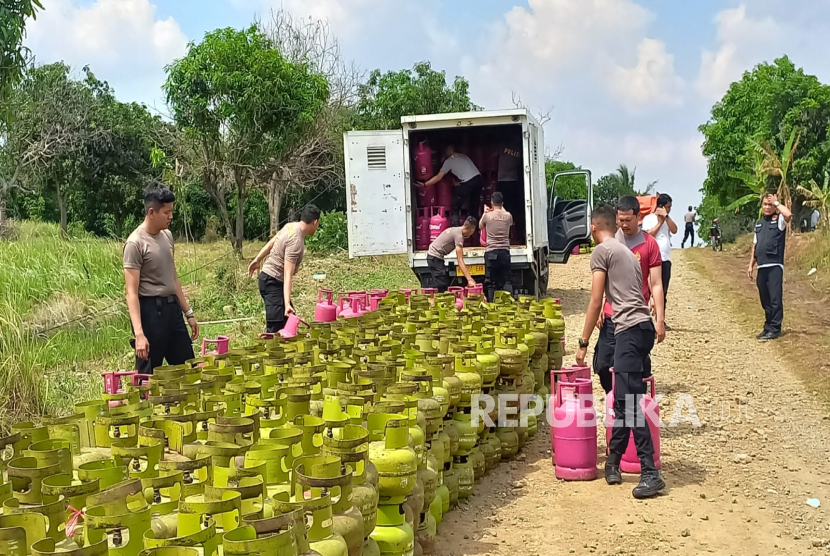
376 193
569 221
538 187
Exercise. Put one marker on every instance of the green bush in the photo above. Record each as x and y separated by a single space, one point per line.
333 234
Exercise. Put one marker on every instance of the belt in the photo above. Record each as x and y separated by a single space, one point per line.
160 299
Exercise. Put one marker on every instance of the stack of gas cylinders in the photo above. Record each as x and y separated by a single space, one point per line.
354 437
434 202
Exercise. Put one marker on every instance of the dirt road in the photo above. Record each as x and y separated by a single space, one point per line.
738 484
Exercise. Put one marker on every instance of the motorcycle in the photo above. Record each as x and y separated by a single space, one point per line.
715 236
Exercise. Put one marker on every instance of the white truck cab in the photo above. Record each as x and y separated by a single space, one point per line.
382 202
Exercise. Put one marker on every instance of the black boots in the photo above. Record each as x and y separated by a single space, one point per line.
612 469
650 481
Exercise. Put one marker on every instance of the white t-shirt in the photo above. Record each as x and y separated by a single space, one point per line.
461 167
782 225
663 236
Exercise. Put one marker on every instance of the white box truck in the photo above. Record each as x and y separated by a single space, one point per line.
381 196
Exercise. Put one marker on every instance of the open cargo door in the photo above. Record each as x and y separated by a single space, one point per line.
569 222
376 193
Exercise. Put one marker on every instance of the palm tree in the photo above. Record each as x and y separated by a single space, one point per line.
818 199
756 182
625 178
774 165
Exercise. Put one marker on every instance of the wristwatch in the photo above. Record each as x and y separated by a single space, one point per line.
583 343
776 203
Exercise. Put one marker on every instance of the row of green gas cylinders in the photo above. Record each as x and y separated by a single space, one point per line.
357 439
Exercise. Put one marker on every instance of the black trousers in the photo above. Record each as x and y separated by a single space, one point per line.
166 331
690 233
666 268
439 273
271 291
770 283
604 353
466 192
632 363
496 271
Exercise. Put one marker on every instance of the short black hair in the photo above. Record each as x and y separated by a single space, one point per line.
310 214
471 221
663 199
606 215
156 195
690 208
497 198
629 203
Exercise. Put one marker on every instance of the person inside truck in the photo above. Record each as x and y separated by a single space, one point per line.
467 190
496 222
447 240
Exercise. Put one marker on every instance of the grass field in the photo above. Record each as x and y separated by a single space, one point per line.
63 319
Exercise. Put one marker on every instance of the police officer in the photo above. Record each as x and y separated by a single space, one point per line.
496 222
770 240
447 241
616 272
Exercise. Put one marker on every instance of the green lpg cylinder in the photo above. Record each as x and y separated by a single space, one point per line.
511 359
395 461
467 432
426 533
487 360
451 429
532 423
466 476
495 442
371 548
465 369
437 507
487 451
479 462
451 482
509 439
393 535
440 393
321 538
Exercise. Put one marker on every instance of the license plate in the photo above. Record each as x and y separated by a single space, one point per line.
473 269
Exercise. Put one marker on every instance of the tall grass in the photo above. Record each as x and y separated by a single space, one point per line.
63 319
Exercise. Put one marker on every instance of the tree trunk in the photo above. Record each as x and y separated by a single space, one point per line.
274 204
241 193
62 208
2 209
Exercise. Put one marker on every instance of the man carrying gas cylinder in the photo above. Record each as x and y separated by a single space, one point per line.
496 222
445 242
616 272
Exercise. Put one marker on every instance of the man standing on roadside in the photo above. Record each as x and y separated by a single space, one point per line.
468 190
154 294
660 226
283 255
770 241
497 223
690 229
647 252
616 272
449 239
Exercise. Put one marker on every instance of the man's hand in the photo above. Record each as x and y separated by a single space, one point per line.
661 212
660 327
420 184
194 328
773 197
486 209
580 356
749 272
601 320
253 267
289 309
142 346
471 283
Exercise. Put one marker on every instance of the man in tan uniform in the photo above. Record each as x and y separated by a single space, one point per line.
283 255
496 222
449 239
154 295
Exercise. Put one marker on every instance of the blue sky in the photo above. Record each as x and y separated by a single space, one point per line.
628 81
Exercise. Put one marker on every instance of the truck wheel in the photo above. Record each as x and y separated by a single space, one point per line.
544 277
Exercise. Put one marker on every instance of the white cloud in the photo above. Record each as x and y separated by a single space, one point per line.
600 41
744 41
123 41
652 81
346 17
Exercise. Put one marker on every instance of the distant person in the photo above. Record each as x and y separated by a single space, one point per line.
617 273
449 239
660 226
155 299
647 251
496 222
283 255
510 177
770 241
468 188
690 229
814 218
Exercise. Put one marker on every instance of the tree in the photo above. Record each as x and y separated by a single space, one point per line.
567 187
818 198
386 97
240 104
13 55
610 188
316 158
764 107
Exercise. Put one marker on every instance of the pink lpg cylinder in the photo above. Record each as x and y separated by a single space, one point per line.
326 310
422 239
423 161
458 292
630 462
426 195
574 433
478 289
443 193
437 222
